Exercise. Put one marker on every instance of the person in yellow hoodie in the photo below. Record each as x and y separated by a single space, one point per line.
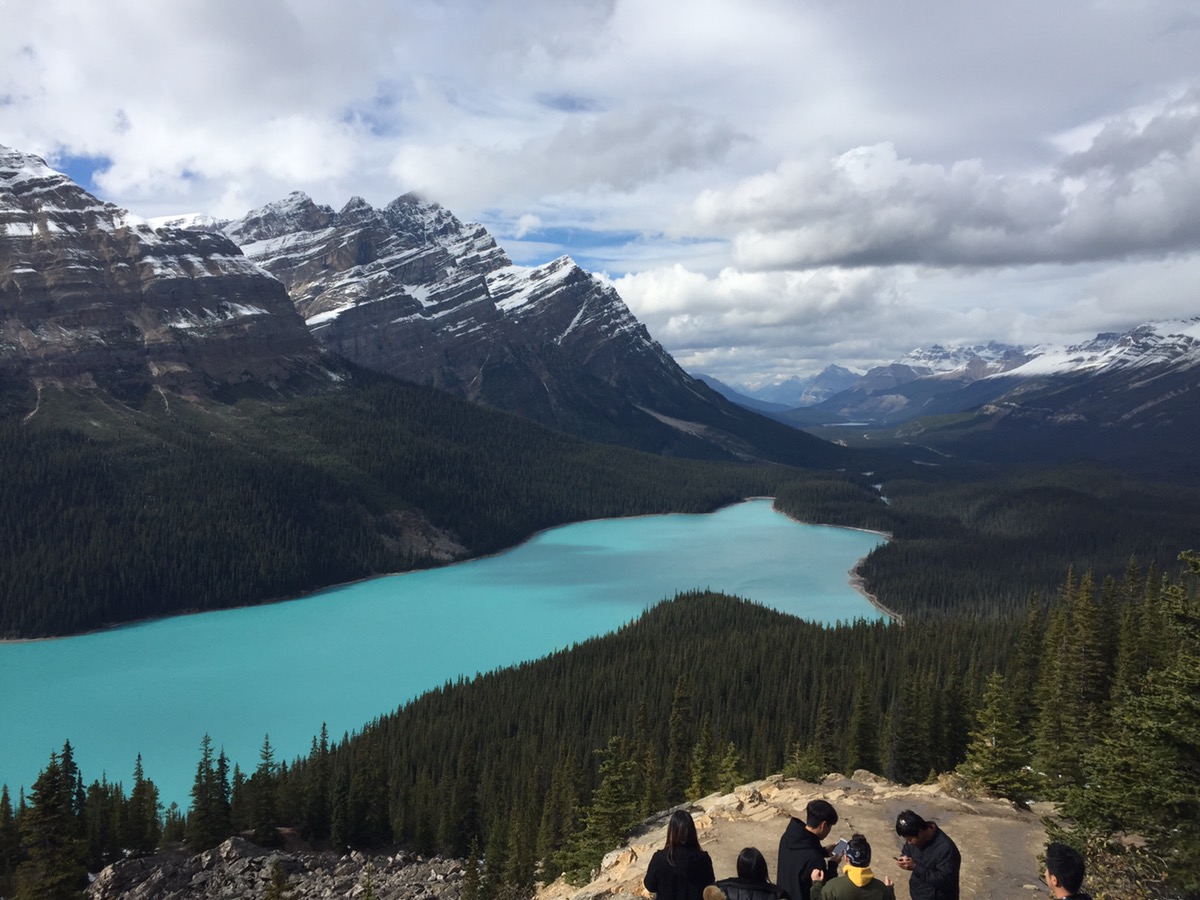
857 881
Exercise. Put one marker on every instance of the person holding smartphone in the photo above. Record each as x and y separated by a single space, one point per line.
931 857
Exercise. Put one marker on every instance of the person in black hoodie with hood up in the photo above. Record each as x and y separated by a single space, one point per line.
800 849
681 870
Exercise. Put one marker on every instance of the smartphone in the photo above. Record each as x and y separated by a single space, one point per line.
839 848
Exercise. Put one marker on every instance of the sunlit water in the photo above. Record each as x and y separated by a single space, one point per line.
347 655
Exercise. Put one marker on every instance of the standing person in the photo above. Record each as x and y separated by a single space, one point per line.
753 881
800 849
680 870
930 855
1064 872
857 882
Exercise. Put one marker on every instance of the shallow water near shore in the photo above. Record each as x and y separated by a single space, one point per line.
347 655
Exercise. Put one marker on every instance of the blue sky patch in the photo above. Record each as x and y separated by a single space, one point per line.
81 169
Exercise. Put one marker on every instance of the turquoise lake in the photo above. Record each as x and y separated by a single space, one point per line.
347 655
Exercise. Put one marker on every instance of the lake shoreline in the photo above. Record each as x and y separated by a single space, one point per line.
856 581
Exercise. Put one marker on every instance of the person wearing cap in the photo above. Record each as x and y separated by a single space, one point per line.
1064 872
930 855
800 849
856 881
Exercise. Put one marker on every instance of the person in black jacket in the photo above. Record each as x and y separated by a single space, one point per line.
753 881
1064 872
681 870
931 856
800 849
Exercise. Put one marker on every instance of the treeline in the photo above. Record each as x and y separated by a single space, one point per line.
207 509
982 542
535 771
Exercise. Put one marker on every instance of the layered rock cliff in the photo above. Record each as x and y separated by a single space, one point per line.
91 296
411 291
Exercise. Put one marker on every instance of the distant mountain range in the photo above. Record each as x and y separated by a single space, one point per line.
1124 397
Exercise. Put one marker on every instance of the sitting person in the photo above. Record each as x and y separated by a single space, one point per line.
857 880
753 882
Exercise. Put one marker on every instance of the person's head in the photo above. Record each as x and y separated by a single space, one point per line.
820 817
681 830
752 865
1064 869
915 830
858 852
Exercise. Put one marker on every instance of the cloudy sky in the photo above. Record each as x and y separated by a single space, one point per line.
772 186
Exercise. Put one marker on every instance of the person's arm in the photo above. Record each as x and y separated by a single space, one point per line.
709 875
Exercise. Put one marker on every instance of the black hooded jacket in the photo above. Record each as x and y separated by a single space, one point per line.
800 852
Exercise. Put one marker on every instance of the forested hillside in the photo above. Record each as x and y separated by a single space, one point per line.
539 769
113 514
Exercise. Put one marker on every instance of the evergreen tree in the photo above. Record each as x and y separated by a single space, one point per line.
471 877
704 762
676 772
209 821
264 821
315 803
862 742
1153 742
730 773
612 812
10 842
102 818
998 756
279 886
141 827
52 836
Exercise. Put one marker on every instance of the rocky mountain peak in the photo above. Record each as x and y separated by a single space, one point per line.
92 297
295 212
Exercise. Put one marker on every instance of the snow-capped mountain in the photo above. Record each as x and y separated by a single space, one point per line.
1173 344
95 297
1130 397
411 291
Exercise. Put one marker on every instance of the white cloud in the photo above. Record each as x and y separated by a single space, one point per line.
794 183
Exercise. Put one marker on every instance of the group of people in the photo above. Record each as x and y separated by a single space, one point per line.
808 867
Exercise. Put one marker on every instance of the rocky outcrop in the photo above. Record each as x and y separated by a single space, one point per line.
239 869
91 296
999 843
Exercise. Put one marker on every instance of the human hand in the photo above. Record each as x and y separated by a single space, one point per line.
887 879
818 875
906 863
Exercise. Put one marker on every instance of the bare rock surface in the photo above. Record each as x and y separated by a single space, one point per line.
239 869
999 843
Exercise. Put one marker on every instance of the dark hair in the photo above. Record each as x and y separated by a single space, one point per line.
858 853
818 812
752 866
681 831
1066 864
909 824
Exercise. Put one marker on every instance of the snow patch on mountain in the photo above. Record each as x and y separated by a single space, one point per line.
1173 343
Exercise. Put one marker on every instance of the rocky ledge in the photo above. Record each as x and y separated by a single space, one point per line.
240 869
